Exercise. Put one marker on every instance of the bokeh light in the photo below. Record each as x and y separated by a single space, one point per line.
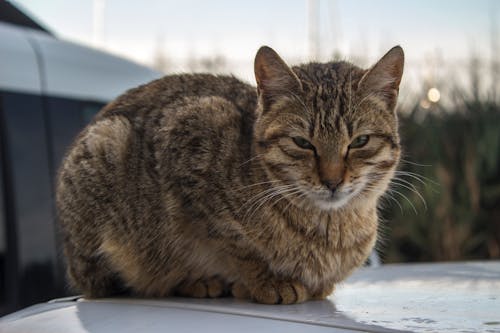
434 95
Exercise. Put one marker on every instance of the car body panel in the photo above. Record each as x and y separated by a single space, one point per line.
19 69
451 297
76 71
36 62
149 316
49 90
446 297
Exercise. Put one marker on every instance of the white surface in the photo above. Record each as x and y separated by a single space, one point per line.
451 297
65 69
85 73
18 64
454 297
116 316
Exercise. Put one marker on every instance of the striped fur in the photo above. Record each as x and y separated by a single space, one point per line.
196 185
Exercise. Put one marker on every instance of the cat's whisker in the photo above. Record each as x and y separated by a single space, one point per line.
264 193
389 192
408 185
261 194
250 160
405 181
286 196
413 163
412 188
252 200
279 198
390 196
257 184
300 197
416 176
383 195
259 203
406 198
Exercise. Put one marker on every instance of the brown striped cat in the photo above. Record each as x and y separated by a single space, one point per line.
202 185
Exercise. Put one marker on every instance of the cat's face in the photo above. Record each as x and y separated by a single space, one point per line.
327 133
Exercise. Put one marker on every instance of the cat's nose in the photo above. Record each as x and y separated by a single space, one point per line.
331 173
332 184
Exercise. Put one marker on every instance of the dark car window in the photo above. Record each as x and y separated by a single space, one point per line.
27 155
89 110
3 232
65 121
67 117
36 131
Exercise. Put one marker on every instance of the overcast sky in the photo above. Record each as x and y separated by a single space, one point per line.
235 29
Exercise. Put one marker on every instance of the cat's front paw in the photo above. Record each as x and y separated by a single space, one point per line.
279 292
212 287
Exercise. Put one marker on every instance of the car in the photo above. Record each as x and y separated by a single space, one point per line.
49 90
441 297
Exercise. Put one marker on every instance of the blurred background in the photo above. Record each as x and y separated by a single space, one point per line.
441 38
445 201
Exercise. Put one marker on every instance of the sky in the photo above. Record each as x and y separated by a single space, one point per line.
363 30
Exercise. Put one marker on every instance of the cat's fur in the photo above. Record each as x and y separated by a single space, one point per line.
195 185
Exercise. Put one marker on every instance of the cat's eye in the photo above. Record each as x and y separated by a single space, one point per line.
302 143
359 141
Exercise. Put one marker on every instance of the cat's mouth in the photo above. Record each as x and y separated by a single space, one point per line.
328 200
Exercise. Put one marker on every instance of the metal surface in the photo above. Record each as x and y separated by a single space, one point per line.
49 89
38 63
18 65
75 71
180 314
451 297
460 297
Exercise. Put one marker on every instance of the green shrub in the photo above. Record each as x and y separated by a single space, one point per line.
457 151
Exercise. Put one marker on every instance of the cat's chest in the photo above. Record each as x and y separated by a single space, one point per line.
323 233
329 249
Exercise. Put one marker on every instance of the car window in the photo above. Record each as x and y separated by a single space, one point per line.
89 110
3 236
30 191
67 117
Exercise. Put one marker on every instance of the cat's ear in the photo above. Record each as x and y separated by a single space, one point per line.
384 77
274 78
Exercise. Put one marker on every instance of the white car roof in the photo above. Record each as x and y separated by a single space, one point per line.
419 297
33 61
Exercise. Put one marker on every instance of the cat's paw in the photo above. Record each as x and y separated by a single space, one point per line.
279 292
239 290
324 293
212 287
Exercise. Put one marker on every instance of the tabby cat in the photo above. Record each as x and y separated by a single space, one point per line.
201 185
